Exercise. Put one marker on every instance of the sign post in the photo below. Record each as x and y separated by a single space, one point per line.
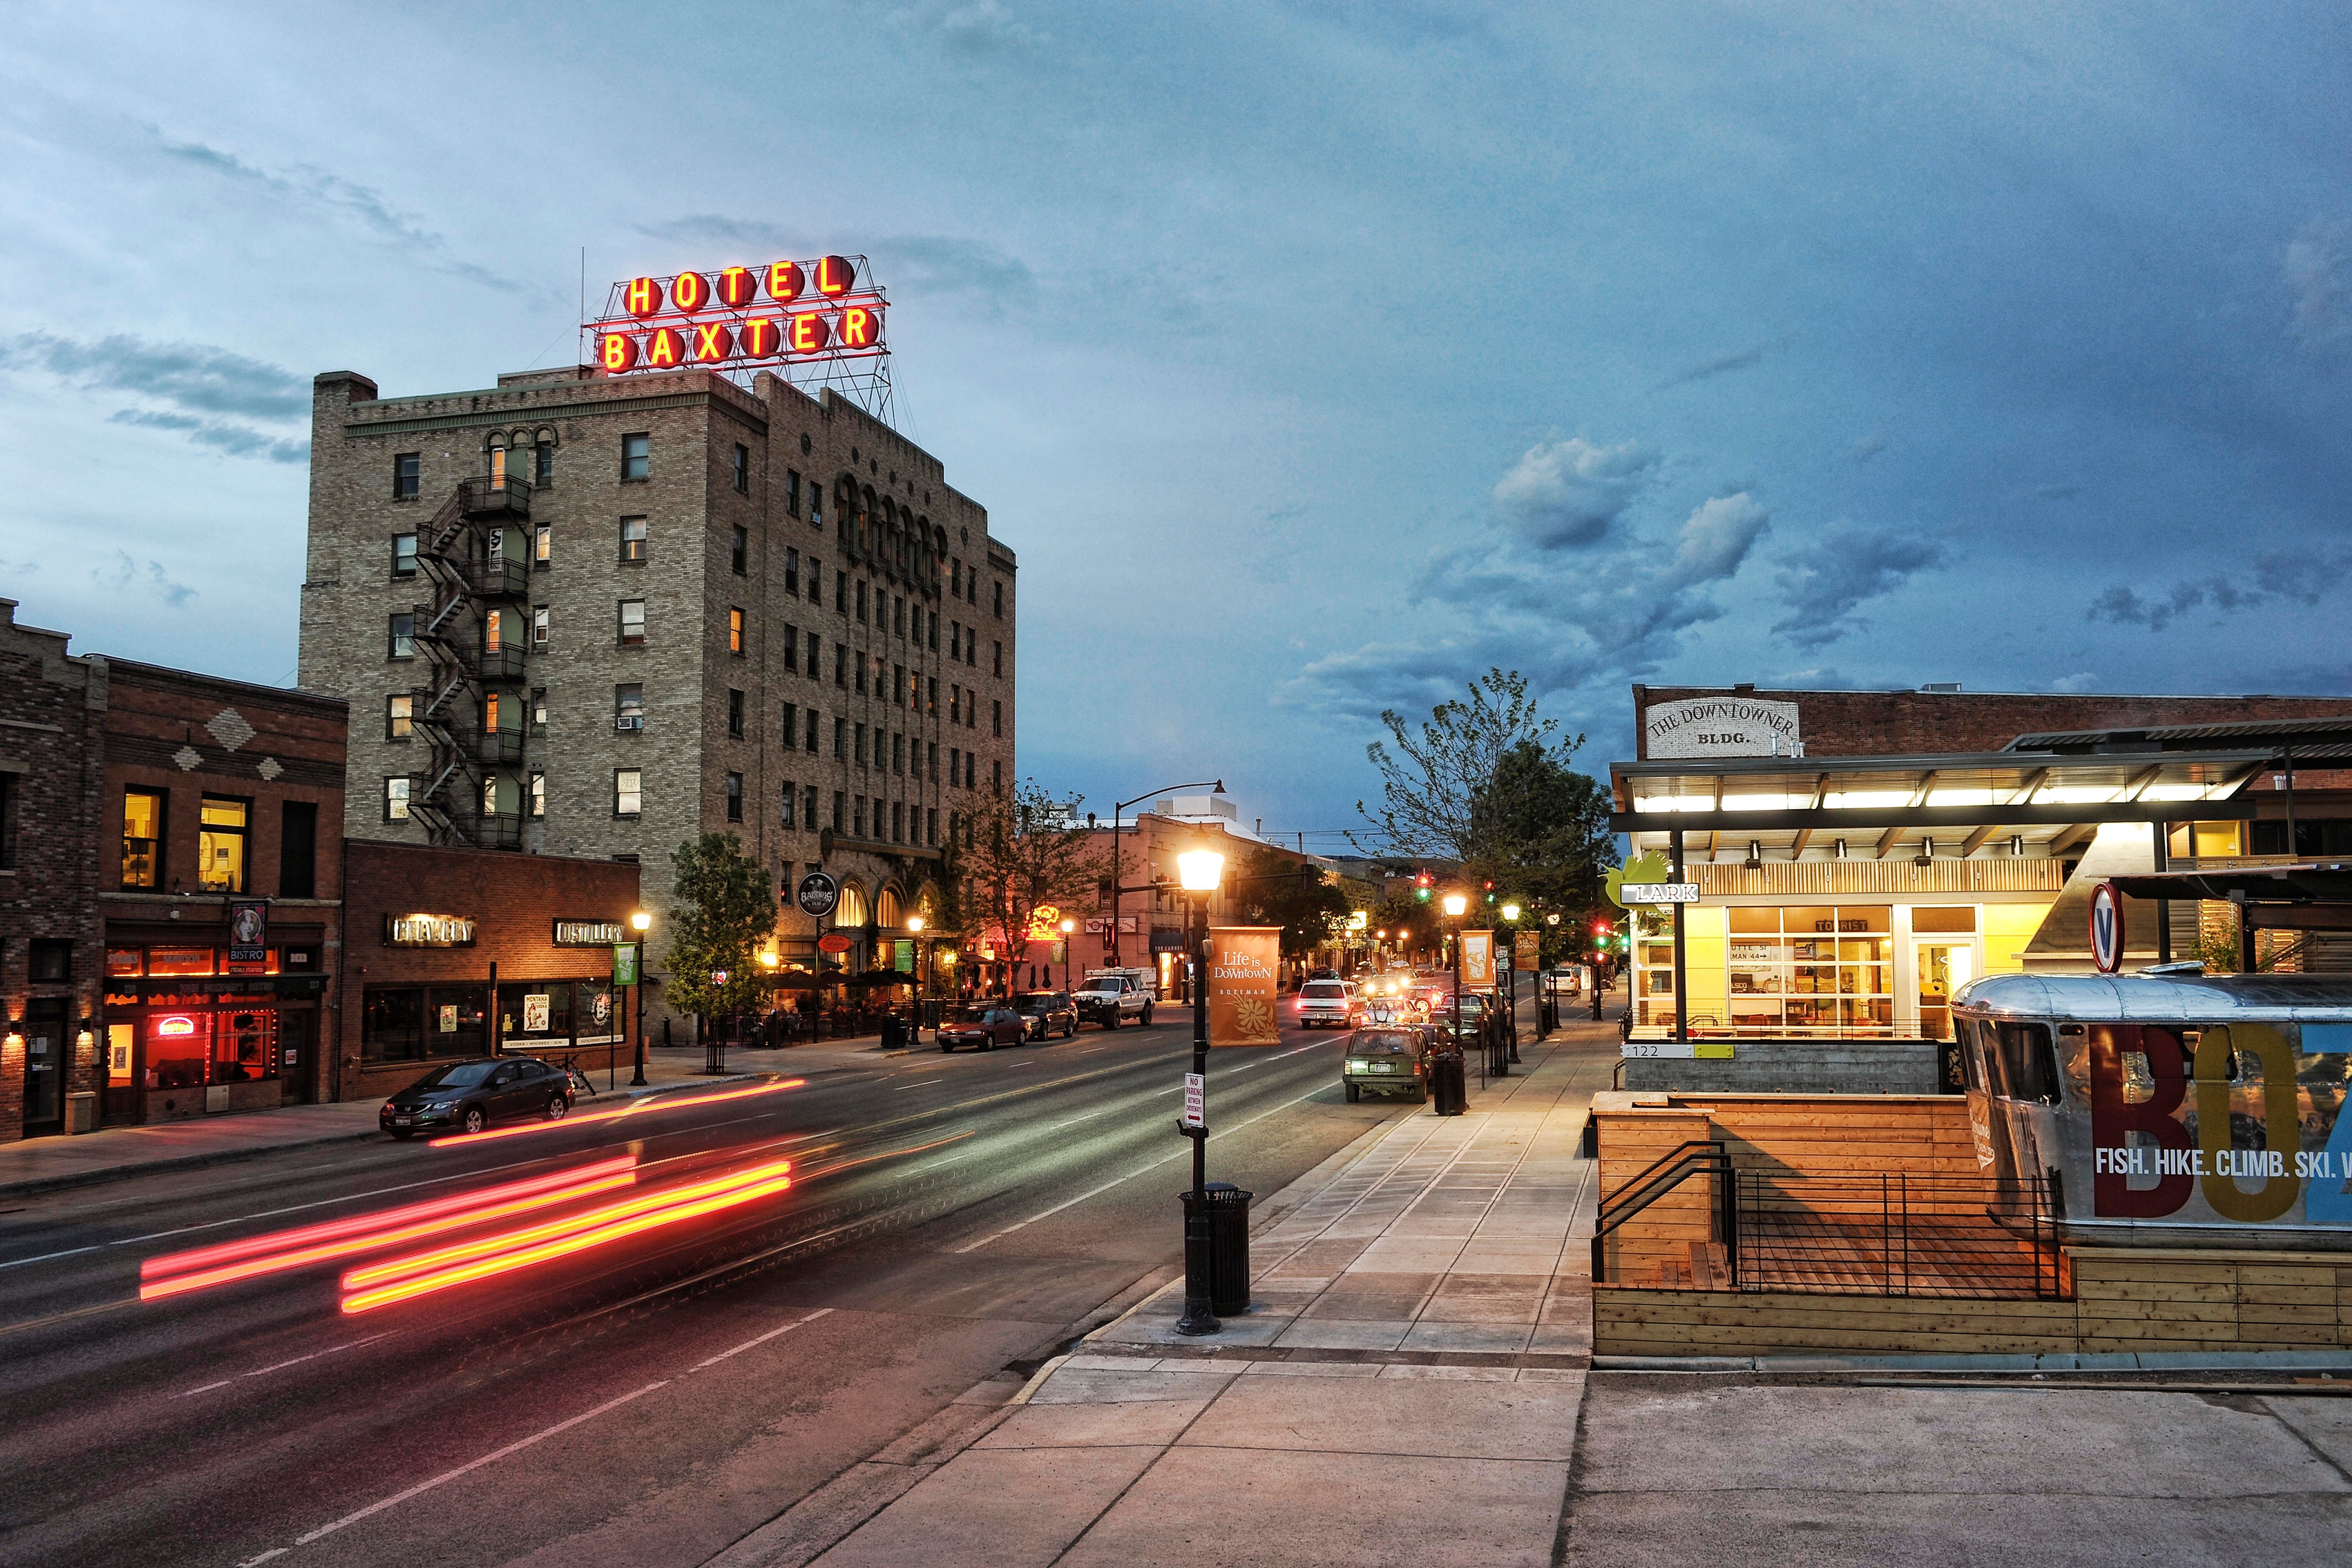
1196 1102
2106 929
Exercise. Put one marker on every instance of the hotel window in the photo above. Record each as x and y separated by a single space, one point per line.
996 778
538 793
399 716
791 799
792 572
899 684
840 804
633 541
897 753
142 838
543 545
840 739
999 601
539 709
9 786
816 506
297 849
395 798
861 745
918 621
999 661
743 474
816 582
401 642
633 623
859 664
792 725
407 475
539 628
841 590
861 601
636 457
404 555
934 706
221 829
932 748
955 765
734 797
933 641
811 656
628 792
898 822
735 632
542 463
898 616
955 704
738 555
858 828
955 639
792 492
808 811
792 648
998 717
629 703
735 713
810 748
931 827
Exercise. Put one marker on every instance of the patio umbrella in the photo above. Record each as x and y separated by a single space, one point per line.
881 977
802 980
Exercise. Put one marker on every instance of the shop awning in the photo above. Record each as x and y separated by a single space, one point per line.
1790 807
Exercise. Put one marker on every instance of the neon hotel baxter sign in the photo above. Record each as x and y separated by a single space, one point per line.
741 315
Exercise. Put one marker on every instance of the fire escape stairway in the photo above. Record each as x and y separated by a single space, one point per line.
455 557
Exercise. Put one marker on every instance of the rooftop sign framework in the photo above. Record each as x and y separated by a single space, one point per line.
817 322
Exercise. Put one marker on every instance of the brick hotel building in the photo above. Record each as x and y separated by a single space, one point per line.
588 616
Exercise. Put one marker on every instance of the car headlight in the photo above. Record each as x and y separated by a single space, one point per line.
1356 1064
439 1105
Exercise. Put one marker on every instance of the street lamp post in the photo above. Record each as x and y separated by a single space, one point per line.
640 922
1454 904
1069 930
1201 871
1119 811
915 929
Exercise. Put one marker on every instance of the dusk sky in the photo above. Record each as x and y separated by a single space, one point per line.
1313 357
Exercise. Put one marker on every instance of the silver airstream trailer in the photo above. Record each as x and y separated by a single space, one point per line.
2167 1107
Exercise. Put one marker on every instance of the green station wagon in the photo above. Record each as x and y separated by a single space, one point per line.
1386 1061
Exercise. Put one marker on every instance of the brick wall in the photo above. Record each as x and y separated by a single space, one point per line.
514 903
1919 723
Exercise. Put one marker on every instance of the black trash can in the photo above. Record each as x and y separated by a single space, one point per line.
1449 1088
1229 1259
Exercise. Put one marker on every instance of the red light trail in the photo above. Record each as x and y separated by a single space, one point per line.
178 1272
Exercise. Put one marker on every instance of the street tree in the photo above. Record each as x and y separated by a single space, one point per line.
721 913
1430 781
1306 902
1539 832
1030 851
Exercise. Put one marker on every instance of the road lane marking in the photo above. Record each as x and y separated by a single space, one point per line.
205 1388
918 1083
1098 1191
44 1258
763 1339
514 1447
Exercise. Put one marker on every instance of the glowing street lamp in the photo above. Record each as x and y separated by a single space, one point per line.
1069 928
1510 911
640 922
1199 871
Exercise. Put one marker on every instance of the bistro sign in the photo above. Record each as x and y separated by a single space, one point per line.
589 933
427 931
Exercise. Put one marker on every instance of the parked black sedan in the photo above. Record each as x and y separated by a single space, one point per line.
467 1096
986 1027
1049 1012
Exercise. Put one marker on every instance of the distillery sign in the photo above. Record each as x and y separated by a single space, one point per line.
740 316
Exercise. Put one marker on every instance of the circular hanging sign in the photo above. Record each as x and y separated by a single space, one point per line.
816 895
833 942
2106 928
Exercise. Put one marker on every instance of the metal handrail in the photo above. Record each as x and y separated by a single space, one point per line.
1664 1175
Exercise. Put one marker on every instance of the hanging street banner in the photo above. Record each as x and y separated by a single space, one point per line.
624 963
1477 961
1244 965
1529 944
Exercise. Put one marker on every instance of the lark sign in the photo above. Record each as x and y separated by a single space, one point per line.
740 318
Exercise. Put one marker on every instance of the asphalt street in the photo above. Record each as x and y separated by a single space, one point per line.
645 1402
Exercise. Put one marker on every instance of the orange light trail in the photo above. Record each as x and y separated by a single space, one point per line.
508 1241
634 1106
560 1246
179 1272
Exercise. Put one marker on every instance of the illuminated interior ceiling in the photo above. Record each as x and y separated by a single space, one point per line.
1886 807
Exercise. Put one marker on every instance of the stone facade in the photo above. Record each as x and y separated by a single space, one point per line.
850 535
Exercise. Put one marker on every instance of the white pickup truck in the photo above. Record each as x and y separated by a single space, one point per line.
1114 996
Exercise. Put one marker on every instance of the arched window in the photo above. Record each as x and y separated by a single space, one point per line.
851 911
886 910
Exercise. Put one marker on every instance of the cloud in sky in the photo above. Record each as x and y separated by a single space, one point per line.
1824 583
1563 494
2318 274
210 394
2267 581
1738 359
124 574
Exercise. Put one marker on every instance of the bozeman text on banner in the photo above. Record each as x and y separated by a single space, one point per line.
1245 964
1477 961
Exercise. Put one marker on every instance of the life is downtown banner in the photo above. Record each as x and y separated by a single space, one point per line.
1477 961
1245 966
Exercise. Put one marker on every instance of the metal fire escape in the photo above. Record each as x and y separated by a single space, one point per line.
471 636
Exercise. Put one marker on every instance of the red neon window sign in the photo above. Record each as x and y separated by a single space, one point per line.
642 297
616 352
175 1026
761 337
835 276
713 342
861 328
785 281
810 334
690 291
735 287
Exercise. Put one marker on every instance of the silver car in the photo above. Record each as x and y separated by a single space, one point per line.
1329 1004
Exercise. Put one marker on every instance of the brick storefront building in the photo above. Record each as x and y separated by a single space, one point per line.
432 930
593 616
145 807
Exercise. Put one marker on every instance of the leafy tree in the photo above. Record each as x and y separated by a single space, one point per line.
1029 851
1539 831
723 911
1431 781
1306 902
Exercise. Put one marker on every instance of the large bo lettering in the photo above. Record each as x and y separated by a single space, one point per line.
2215 1049
2113 1117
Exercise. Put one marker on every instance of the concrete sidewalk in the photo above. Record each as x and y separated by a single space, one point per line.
1405 1386
118 1153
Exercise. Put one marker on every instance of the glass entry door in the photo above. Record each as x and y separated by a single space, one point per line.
44 1066
1943 967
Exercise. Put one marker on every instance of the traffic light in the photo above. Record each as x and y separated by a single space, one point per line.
1420 886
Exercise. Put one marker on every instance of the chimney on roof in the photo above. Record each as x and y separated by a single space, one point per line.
1941 686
